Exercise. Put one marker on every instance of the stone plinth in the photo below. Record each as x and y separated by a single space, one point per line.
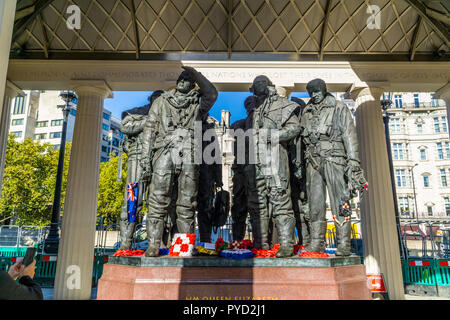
213 278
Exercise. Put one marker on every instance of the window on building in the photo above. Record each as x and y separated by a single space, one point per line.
444 124
436 125
400 176
419 128
434 101
439 151
54 135
19 105
73 112
106 116
40 136
423 154
105 127
17 122
105 149
398 100
447 206
398 151
41 124
426 181
56 123
103 159
430 211
443 178
395 125
17 134
403 203
447 150
416 100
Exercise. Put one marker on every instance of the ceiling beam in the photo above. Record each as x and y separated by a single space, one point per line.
415 37
22 24
22 13
438 27
324 29
230 27
135 29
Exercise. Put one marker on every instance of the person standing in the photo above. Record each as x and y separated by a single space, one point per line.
332 164
274 125
169 148
25 289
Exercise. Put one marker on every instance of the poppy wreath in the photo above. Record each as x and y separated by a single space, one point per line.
298 248
241 244
313 255
221 245
128 253
236 254
203 251
260 253
182 245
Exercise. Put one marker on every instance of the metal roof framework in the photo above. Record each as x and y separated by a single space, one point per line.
310 30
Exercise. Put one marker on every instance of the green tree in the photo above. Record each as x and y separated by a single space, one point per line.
111 191
29 181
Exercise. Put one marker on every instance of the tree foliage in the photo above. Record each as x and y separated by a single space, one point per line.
29 181
111 192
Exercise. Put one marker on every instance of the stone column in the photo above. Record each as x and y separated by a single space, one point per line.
444 94
7 13
11 91
379 230
76 248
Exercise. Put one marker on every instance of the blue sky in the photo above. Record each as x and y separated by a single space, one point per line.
232 101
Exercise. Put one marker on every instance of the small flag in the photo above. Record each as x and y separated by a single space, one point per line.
132 192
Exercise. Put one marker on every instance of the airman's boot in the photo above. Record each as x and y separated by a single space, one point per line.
126 230
285 226
260 231
126 234
155 229
343 234
318 229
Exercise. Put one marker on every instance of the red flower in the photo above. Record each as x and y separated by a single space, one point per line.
184 247
178 241
219 241
314 255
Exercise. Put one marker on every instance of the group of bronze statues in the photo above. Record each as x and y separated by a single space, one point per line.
287 155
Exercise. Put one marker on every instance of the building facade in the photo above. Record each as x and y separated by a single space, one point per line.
37 116
420 154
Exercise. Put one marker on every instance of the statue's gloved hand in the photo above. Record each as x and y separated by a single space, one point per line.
191 70
299 172
146 169
352 165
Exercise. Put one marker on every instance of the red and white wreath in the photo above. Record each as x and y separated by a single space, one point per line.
182 245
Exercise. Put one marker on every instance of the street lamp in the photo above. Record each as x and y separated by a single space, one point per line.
52 241
385 105
414 190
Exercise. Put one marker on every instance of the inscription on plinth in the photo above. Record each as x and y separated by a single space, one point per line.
213 278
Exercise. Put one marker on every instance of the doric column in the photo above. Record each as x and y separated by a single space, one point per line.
11 91
7 14
76 248
379 231
444 94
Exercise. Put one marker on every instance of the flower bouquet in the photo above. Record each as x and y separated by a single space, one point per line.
182 245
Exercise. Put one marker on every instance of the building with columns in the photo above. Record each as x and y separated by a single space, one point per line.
420 154
142 46
36 115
